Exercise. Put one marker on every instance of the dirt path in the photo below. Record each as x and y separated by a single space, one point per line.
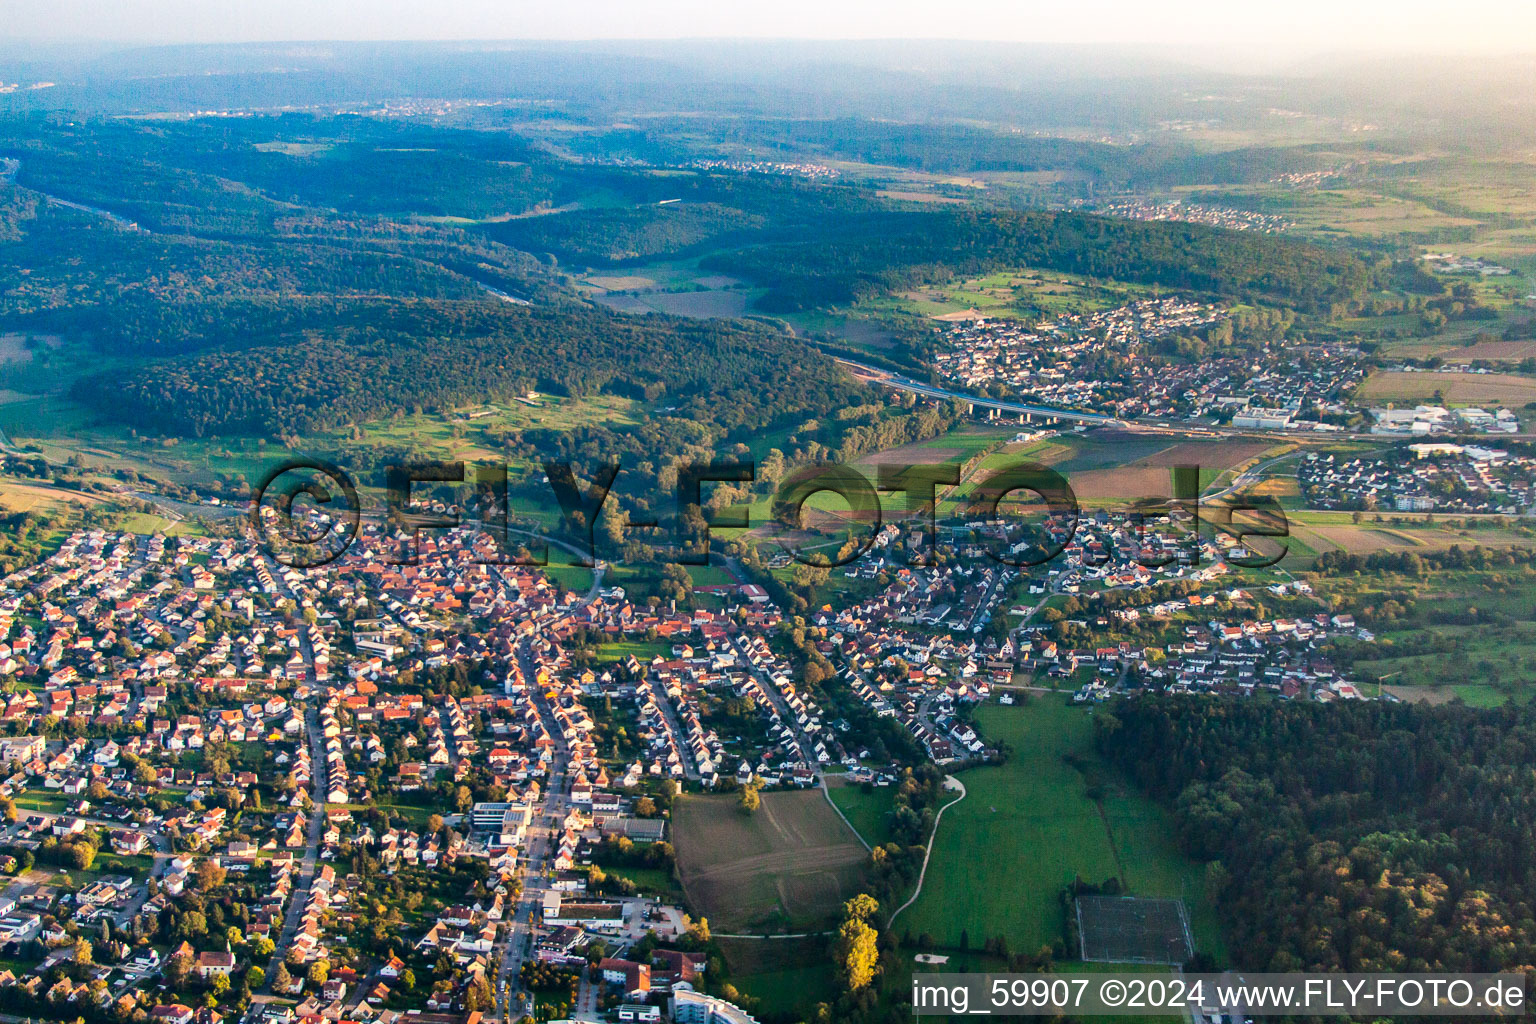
839 812
938 819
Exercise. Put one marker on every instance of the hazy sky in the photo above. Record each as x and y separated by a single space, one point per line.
1306 25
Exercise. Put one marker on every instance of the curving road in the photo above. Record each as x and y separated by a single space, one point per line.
1248 476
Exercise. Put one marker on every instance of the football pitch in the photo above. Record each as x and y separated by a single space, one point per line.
1132 930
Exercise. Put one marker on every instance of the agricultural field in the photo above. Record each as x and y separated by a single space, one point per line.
1504 389
1052 813
1354 211
1118 467
679 288
709 302
17 496
787 867
1150 475
1386 531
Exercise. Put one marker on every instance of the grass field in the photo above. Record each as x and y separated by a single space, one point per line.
1438 652
867 812
643 650
1017 292
1026 829
43 800
786 974
786 868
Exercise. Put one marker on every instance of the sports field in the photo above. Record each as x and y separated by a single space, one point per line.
1025 830
1129 929
788 867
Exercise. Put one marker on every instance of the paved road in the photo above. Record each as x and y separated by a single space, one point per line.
7 448
521 931
786 715
586 995
161 853
675 727
1248 476
839 812
299 897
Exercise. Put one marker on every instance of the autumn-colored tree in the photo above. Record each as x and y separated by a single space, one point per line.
857 952
209 875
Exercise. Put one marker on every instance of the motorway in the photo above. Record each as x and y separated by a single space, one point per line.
900 383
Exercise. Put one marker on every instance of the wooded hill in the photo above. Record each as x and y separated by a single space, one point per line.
1353 836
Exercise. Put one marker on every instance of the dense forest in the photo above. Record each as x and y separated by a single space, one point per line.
45 279
701 211
369 359
1359 836
271 166
874 254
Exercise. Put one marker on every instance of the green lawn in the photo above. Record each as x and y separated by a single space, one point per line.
1026 829
572 577
787 975
415 815
651 881
643 650
107 863
44 800
867 812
